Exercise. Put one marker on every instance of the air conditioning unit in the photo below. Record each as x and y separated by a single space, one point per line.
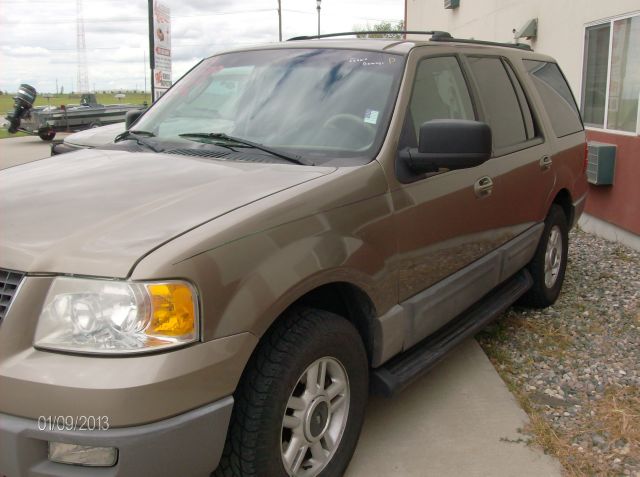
601 163
451 4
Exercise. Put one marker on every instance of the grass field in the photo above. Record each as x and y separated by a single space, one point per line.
6 100
4 134
6 104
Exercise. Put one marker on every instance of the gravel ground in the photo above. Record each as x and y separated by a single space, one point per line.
575 367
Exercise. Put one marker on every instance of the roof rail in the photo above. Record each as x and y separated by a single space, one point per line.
521 46
435 34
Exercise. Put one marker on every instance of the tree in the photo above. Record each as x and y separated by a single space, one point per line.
381 26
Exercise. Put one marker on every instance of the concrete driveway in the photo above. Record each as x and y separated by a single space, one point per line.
18 150
460 420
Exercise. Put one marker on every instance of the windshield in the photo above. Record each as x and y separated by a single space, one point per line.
317 103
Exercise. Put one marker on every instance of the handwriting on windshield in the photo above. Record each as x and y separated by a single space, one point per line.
366 61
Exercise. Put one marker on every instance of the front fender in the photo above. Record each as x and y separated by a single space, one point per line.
339 229
275 280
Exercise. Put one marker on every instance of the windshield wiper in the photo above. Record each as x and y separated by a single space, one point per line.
245 142
138 137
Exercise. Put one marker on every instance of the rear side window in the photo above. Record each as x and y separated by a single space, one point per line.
556 97
500 101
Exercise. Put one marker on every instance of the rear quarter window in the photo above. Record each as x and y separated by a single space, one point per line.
556 97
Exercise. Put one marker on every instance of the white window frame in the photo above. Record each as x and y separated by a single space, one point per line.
604 128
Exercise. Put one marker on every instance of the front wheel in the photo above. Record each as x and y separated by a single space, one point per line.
550 261
300 404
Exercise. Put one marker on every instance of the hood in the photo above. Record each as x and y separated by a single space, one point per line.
95 137
97 212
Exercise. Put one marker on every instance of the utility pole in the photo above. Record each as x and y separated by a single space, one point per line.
144 68
279 20
318 3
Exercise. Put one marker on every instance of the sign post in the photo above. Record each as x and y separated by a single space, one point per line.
160 48
151 55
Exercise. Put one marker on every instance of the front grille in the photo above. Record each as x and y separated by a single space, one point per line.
9 282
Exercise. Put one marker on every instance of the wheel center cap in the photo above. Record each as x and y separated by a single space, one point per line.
317 419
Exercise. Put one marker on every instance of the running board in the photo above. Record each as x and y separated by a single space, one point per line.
409 365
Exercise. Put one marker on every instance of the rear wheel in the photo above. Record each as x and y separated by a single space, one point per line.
300 404
550 261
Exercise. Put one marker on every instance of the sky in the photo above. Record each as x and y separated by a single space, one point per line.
38 37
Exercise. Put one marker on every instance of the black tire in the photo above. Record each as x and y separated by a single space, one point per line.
540 295
302 336
46 134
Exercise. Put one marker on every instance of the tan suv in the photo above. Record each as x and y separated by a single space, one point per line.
287 228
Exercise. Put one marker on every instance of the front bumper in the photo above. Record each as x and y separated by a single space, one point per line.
129 390
187 445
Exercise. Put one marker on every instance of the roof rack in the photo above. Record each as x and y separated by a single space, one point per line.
521 46
436 35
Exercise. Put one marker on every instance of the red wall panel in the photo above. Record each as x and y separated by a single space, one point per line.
618 204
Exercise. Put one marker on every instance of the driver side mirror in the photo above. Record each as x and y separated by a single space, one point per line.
449 144
131 117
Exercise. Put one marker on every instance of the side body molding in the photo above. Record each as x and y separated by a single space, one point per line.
409 322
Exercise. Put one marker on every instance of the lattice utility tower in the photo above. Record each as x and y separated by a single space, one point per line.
81 45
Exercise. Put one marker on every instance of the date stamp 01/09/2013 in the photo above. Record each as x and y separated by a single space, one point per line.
73 423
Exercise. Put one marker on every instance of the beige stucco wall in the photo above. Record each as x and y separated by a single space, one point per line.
560 23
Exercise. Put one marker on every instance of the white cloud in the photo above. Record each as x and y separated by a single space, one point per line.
38 37
25 51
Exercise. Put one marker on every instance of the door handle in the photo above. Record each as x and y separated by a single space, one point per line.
545 162
483 187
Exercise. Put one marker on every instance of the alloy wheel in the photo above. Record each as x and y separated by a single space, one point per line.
315 418
553 257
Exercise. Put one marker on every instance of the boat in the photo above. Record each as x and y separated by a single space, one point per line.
45 121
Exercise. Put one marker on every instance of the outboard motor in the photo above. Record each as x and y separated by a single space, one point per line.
23 102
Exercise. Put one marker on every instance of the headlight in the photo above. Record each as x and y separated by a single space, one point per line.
102 316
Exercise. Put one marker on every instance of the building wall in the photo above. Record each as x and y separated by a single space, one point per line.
560 24
561 31
619 204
